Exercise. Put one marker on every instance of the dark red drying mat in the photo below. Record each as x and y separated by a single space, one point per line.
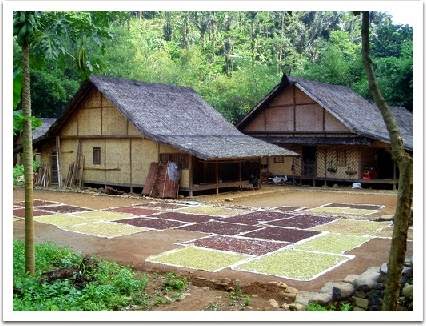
189 218
37 202
302 221
356 206
160 205
20 212
158 224
256 217
64 209
281 234
287 208
134 210
244 246
219 228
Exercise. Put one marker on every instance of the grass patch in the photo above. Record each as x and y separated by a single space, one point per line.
107 286
238 298
333 243
294 264
332 307
197 258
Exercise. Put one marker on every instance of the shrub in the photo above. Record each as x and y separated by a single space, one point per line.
109 286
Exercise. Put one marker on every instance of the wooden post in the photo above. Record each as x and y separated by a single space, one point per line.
58 160
325 166
394 187
131 165
260 173
191 176
217 177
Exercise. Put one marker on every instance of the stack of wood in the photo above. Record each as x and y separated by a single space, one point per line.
159 183
42 177
75 171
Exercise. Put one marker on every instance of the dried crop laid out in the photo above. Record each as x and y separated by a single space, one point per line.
138 211
333 243
387 232
197 258
62 221
257 217
350 226
160 205
64 209
189 218
16 219
222 228
20 212
96 216
293 264
212 211
302 221
240 245
341 210
288 208
281 234
356 206
106 229
38 202
157 224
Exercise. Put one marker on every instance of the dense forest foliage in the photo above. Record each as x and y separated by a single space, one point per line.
232 59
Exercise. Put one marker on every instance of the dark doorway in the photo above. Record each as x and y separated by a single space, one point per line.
54 168
309 154
384 165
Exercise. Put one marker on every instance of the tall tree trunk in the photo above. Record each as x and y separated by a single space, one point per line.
404 162
28 160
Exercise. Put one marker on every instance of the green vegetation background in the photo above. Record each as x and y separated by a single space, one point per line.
232 59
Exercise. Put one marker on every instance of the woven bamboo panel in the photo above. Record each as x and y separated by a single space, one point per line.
345 160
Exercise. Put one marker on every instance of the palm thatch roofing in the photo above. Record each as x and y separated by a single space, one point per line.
41 130
352 110
176 116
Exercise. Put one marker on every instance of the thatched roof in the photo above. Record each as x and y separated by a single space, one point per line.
40 131
176 116
352 110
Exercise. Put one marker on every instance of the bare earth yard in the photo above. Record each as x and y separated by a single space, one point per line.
244 236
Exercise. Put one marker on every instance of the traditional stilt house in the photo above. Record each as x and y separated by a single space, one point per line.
340 136
121 126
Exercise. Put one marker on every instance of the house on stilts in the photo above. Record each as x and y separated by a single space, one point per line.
340 136
121 126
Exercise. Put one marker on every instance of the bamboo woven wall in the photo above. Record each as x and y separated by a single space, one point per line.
345 160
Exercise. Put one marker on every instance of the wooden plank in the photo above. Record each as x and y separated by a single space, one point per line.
58 160
191 175
90 168
294 108
150 179
130 164
102 137
217 177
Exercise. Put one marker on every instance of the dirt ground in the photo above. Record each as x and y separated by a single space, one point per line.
134 249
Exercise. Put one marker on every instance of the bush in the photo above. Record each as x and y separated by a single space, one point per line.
319 307
109 287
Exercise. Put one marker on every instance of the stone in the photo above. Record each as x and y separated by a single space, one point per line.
360 302
282 285
384 268
408 261
358 309
350 278
296 307
291 289
407 291
306 297
360 294
288 296
274 303
338 290
285 306
368 279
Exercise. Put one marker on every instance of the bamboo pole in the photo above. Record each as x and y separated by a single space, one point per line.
58 160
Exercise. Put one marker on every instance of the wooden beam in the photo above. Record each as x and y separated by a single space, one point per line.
131 165
58 160
260 173
91 168
101 114
101 137
294 108
191 175
394 186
